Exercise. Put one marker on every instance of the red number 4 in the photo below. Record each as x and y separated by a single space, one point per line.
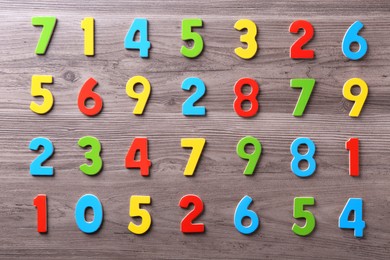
140 144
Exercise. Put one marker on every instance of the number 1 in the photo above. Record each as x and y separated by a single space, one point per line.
40 202
353 146
88 25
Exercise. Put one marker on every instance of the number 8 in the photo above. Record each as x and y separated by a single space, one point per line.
358 99
311 148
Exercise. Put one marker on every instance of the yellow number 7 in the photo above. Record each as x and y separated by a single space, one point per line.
197 145
358 99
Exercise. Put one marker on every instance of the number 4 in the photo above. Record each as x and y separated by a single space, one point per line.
358 224
197 145
143 45
140 144
48 24
307 86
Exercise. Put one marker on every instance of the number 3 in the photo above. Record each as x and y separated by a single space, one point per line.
93 155
249 38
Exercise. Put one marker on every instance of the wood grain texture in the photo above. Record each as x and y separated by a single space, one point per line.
219 180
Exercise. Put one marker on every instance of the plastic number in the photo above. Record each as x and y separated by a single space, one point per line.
186 225
88 25
86 92
252 158
297 157
142 97
36 167
358 224
251 97
243 211
188 34
249 38
93 155
48 24
38 91
188 108
351 36
353 146
197 145
136 211
143 45
40 202
307 86
299 212
89 201
358 99
139 144
296 51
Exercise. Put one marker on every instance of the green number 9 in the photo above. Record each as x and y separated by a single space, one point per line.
252 158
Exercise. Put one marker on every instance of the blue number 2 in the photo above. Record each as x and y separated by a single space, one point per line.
143 45
188 108
311 148
36 167
358 224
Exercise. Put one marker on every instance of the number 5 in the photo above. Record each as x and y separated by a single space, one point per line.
187 34
136 211
197 145
307 86
48 23
299 212
38 91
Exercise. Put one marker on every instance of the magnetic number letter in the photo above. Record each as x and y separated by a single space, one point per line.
243 211
251 97
89 201
136 211
299 212
143 45
297 157
358 99
93 155
351 36
188 107
353 146
36 167
249 38
296 51
88 25
186 225
142 97
86 92
48 24
38 91
252 158
140 144
358 224
197 145
188 34
40 202
307 86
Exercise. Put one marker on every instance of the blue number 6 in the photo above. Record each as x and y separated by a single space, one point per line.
352 36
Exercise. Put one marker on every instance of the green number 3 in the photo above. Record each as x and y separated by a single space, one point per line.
93 155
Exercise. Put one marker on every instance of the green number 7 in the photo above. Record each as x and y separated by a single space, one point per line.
299 212
307 86
48 24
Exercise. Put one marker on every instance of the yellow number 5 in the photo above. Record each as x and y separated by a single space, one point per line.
38 91
249 38
136 211
358 99
197 145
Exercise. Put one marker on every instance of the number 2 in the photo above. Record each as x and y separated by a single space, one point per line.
307 86
48 24
197 145
186 225
36 167
249 38
188 108
296 51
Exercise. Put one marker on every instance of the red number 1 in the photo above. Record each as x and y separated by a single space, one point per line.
41 205
353 146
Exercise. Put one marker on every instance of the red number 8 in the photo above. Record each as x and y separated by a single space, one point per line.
86 92
251 97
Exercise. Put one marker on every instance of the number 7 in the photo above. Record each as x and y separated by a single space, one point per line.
307 86
197 145
48 24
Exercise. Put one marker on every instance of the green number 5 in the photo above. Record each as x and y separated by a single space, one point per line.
299 212
307 86
187 34
93 155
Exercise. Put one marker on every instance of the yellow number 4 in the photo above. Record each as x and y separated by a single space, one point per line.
197 145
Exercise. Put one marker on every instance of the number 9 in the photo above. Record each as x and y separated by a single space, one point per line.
141 97
252 158
358 99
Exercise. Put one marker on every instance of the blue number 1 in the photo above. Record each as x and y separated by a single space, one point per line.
36 167
143 45
188 108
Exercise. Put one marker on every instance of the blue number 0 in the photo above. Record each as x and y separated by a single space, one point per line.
36 167
297 157
89 201
188 108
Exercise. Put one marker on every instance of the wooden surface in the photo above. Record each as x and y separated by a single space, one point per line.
219 180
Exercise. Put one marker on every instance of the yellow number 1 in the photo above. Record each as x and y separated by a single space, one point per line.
249 38
88 25
38 91
197 145
358 99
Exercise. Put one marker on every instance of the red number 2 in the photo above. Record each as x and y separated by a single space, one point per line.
40 204
240 97
296 51
186 224
139 144
353 146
